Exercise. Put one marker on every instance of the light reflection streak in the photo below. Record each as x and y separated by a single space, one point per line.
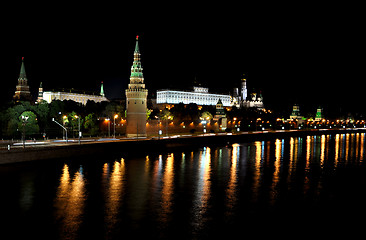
277 165
309 147
257 168
114 193
294 151
203 190
309 141
336 154
346 147
362 146
168 188
231 192
357 145
322 151
70 201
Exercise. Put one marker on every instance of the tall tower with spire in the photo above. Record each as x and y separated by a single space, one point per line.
136 97
22 92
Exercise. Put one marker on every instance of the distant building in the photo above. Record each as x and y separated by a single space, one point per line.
242 100
40 93
319 114
82 98
199 96
295 114
220 116
22 92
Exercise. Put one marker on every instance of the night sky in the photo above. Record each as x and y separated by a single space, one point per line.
310 55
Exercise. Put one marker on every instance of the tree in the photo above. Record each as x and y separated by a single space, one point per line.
206 115
148 113
165 114
30 125
90 124
42 110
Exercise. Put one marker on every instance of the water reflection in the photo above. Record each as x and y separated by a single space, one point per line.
203 189
208 184
113 196
168 188
70 201
349 147
232 191
257 167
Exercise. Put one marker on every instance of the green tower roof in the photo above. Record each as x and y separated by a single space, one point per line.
137 44
136 69
102 89
22 70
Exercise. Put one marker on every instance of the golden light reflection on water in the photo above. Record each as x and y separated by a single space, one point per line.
257 167
114 191
168 188
70 201
277 167
203 190
231 191
294 154
157 182
362 144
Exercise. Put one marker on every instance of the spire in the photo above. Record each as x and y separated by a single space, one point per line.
22 74
22 92
136 69
137 50
102 90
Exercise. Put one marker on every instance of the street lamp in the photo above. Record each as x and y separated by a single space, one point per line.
79 133
24 122
109 126
159 131
166 125
114 125
53 120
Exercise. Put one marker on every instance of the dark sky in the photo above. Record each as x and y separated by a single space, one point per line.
308 54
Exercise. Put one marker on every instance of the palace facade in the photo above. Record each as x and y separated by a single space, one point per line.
199 96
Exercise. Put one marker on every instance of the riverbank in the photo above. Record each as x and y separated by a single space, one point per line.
109 146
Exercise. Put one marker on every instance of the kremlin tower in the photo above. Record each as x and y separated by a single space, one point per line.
136 97
22 92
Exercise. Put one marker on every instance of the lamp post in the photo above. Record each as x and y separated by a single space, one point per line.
166 125
114 125
24 122
159 131
109 126
53 120
64 118
79 133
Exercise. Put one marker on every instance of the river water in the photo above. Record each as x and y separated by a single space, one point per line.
293 187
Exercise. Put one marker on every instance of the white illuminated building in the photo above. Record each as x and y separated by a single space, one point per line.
199 96
50 96
77 97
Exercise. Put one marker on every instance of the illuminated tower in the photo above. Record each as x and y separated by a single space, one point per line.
136 96
244 92
22 92
295 112
319 115
40 93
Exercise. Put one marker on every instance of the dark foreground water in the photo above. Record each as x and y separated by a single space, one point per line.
290 188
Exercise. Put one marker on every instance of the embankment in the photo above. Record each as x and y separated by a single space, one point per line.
147 145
